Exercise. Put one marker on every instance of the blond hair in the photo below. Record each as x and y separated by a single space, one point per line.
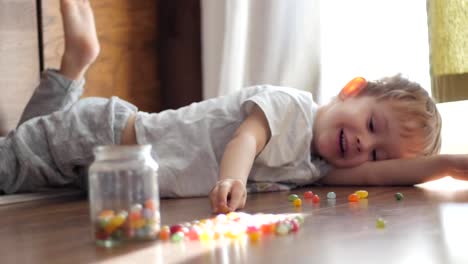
420 121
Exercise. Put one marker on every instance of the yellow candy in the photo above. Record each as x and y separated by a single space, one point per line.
297 202
362 194
206 235
114 223
232 216
254 236
137 223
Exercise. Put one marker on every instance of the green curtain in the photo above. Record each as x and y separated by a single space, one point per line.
448 37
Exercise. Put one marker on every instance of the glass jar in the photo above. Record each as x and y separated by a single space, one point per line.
123 194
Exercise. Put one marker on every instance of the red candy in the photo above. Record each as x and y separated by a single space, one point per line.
308 195
294 225
193 233
176 228
316 199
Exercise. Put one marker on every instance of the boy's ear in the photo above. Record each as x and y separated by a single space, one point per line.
353 88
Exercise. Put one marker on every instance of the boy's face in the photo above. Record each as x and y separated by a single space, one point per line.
356 129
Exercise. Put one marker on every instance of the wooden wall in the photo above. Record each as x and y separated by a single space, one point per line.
128 64
19 58
150 52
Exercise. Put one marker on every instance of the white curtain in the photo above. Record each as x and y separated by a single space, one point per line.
302 44
373 39
247 42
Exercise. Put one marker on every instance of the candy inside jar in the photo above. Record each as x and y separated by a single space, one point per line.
123 195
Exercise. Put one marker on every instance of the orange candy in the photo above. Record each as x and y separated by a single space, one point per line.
353 197
165 233
354 85
150 204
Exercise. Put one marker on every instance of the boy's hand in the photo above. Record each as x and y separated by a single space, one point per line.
457 166
228 195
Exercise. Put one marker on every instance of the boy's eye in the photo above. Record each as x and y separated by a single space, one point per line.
374 155
371 125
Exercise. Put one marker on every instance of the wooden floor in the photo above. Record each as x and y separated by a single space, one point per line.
425 227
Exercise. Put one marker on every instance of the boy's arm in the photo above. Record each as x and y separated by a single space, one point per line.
401 171
239 154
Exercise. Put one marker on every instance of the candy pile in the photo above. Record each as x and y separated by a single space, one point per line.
141 222
232 226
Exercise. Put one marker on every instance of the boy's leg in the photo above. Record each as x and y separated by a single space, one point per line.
59 90
56 149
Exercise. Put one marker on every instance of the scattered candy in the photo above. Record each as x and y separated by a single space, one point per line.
353 197
399 196
297 202
300 219
293 197
233 226
380 223
295 225
165 233
282 229
362 194
176 228
177 237
316 199
254 233
331 195
308 195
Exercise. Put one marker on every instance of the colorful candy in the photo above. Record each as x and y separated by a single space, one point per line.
138 222
233 226
362 194
353 197
176 228
316 199
282 229
331 195
300 219
399 196
380 223
177 237
165 233
254 233
308 195
293 197
297 202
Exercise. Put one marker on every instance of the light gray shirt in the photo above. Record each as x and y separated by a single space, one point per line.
189 142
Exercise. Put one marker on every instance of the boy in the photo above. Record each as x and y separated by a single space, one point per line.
376 133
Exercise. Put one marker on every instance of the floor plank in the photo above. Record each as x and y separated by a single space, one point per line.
425 227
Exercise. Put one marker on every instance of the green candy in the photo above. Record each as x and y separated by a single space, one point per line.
282 229
117 235
399 196
300 219
177 237
380 223
293 197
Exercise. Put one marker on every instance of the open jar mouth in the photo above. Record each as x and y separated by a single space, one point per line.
119 152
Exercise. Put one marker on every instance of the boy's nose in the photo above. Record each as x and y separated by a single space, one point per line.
363 145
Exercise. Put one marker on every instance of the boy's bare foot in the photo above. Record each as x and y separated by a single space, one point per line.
81 42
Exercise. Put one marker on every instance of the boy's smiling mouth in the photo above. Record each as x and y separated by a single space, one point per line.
342 143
